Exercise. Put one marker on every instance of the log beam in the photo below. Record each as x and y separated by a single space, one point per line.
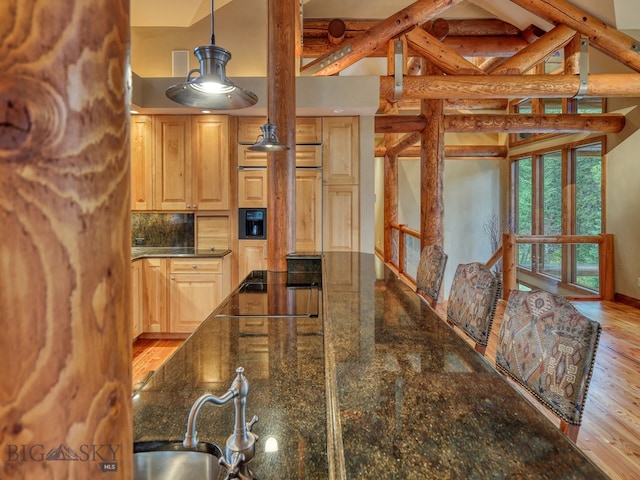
536 52
451 104
512 86
472 27
490 46
508 123
475 152
403 143
436 52
379 35
603 37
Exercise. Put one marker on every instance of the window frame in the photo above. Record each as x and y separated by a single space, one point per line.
568 153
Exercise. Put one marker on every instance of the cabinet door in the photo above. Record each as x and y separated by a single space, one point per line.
210 163
136 299
308 210
252 255
341 150
193 297
252 188
155 295
308 129
172 162
141 162
341 218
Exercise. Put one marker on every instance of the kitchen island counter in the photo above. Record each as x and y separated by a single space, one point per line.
376 386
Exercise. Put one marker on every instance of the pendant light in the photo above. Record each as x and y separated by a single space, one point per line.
211 89
269 141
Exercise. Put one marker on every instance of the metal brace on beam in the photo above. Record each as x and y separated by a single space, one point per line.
329 60
398 67
584 67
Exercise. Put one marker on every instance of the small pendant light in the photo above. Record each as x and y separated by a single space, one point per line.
211 89
269 141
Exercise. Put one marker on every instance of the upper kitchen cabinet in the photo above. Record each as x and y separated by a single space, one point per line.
141 162
172 162
210 163
341 150
308 130
191 162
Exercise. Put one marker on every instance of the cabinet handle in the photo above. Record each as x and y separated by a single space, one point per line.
195 207
173 277
194 266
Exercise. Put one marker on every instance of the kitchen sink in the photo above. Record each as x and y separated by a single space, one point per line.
164 460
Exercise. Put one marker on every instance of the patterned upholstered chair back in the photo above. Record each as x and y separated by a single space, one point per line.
549 348
431 267
472 301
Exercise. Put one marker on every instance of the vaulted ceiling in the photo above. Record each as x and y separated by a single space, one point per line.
477 51
622 14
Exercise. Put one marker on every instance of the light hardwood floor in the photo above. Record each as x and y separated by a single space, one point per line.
610 432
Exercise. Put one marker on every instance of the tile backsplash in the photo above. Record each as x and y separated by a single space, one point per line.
162 229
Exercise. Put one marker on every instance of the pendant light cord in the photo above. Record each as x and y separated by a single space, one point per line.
213 36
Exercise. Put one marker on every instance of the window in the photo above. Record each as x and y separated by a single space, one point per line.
559 192
551 106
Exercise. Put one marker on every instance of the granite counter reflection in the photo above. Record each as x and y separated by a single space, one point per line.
283 358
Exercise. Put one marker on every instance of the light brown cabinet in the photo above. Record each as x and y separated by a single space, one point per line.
191 162
308 210
341 190
210 163
252 255
341 150
174 295
141 162
172 186
341 213
196 287
252 188
136 299
308 130
155 295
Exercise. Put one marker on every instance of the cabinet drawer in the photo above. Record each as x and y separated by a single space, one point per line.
192 265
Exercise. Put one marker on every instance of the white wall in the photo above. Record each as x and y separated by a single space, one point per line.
367 188
623 199
473 191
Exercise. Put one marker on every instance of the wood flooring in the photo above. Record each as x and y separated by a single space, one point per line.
610 432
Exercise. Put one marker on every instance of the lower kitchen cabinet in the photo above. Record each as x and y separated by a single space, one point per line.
252 255
196 287
341 224
155 295
174 295
136 299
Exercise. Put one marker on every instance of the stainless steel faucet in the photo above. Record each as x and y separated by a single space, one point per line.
240 447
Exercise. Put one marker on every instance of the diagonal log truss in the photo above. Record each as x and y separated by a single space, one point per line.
473 64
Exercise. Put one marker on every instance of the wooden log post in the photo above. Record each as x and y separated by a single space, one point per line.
281 110
390 189
509 265
607 286
432 174
65 316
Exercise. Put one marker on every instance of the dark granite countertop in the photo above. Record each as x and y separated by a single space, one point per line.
377 386
140 252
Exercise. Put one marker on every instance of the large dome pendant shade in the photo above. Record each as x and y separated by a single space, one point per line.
211 89
269 141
